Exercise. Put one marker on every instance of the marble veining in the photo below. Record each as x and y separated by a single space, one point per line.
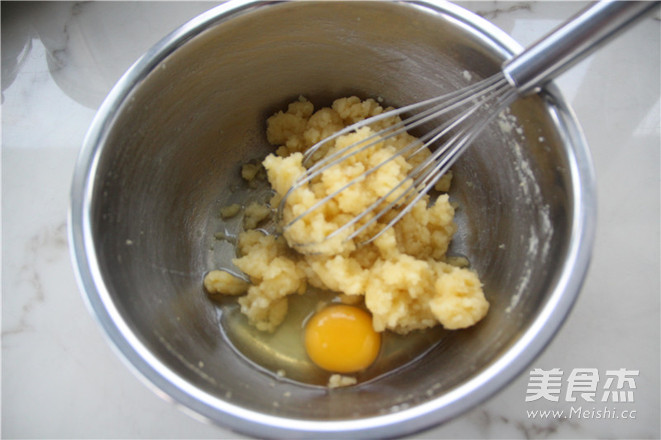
44 247
60 379
496 11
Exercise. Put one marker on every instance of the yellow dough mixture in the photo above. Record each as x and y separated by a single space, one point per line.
403 276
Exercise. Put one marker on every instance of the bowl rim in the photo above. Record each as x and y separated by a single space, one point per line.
199 404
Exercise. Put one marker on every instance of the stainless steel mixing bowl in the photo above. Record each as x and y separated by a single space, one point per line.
163 154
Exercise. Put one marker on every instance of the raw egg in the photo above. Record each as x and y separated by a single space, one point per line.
341 339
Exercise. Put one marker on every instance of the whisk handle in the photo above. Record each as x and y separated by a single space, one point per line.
572 42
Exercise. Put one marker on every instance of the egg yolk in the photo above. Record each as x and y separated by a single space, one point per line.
341 339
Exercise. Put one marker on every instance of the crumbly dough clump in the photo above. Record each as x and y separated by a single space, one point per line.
403 276
224 283
338 381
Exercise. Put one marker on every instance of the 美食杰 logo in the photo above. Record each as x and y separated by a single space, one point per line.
591 393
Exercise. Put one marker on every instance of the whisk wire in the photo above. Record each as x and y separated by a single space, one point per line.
445 158
422 178
444 104
420 184
415 177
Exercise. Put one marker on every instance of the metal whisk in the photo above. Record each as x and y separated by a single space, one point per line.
464 113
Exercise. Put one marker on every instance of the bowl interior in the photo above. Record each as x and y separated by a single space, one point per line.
172 155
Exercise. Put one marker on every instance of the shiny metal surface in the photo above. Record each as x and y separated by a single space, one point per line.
163 154
573 41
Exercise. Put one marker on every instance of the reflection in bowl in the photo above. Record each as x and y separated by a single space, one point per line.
163 156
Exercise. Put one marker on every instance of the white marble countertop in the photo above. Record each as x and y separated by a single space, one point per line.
60 379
